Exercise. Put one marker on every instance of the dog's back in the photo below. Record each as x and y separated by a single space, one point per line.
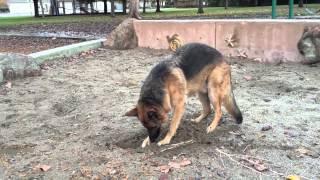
194 57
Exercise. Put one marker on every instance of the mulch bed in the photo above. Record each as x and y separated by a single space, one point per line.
28 45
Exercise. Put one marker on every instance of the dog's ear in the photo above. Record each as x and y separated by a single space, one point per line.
132 112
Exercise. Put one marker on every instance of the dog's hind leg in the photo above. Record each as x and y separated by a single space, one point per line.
206 108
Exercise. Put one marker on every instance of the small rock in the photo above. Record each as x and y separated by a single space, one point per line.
266 100
288 90
266 128
247 77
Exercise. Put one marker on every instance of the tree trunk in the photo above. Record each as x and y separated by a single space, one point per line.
112 8
300 3
158 6
105 8
124 10
91 6
226 4
144 6
42 9
73 6
134 9
200 7
36 8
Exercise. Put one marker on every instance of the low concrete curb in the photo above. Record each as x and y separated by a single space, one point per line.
66 51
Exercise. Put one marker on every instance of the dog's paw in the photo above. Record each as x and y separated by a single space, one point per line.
146 142
210 129
163 142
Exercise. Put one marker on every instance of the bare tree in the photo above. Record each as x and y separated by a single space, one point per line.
42 9
200 7
226 4
134 9
144 6
112 8
158 6
36 8
301 3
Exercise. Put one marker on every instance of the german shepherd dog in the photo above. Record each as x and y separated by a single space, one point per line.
193 69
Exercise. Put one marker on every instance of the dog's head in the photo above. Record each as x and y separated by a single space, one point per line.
151 117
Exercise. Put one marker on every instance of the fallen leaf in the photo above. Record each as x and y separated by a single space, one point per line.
257 164
164 176
185 162
258 59
8 85
260 167
174 165
164 168
262 136
96 177
303 150
86 171
43 167
247 77
293 177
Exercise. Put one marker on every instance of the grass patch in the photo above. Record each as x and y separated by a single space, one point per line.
230 12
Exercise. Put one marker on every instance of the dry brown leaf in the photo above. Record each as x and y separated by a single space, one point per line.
164 168
185 162
260 167
86 171
8 85
96 177
164 176
293 177
257 164
174 165
303 150
247 77
43 167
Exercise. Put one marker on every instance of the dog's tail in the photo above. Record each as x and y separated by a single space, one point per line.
230 103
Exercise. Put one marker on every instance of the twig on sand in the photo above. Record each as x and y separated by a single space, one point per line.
299 75
246 148
237 162
248 167
172 146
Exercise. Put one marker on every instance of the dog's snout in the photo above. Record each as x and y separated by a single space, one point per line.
154 133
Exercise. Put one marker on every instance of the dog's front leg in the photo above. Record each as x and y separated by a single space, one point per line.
177 116
146 142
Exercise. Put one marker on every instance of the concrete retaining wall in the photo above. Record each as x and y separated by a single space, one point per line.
263 40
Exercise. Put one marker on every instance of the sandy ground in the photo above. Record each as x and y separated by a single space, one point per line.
28 45
71 119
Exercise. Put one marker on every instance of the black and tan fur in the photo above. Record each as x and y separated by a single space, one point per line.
193 69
